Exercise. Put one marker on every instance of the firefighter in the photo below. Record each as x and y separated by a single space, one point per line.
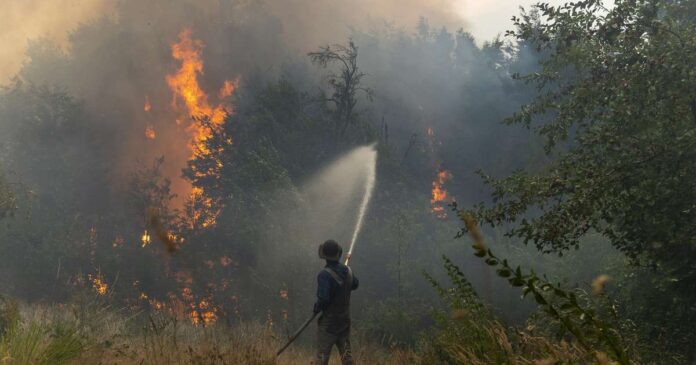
335 283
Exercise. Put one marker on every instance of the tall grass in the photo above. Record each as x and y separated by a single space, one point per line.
91 332
468 333
36 342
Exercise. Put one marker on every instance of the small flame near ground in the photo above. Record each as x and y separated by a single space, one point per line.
145 239
98 284
147 105
150 132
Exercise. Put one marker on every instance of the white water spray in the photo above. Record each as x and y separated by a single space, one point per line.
338 196
371 167
336 184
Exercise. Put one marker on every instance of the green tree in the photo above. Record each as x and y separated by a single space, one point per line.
616 107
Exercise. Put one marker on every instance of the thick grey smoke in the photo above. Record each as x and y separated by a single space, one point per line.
301 23
438 100
115 62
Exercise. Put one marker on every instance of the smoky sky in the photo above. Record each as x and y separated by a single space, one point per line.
114 56
304 23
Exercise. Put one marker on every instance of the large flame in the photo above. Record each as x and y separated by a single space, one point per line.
185 87
193 109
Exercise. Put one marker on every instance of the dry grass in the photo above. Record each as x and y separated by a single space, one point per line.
168 342
88 333
465 340
99 335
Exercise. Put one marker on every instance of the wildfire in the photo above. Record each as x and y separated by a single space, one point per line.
145 239
226 90
202 211
118 241
225 261
199 311
150 132
199 113
184 86
440 197
147 105
205 313
99 285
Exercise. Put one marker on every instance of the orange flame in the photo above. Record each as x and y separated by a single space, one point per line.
227 89
145 239
440 197
99 285
147 105
185 87
150 132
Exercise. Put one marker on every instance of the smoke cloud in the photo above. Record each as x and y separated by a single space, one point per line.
438 98
305 23
52 19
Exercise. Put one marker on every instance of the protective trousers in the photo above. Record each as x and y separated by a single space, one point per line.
325 342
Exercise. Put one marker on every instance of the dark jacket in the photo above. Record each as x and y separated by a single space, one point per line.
333 298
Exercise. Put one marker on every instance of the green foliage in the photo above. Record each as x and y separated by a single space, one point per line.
36 342
616 92
616 107
394 322
468 323
462 295
9 315
563 305
470 334
617 88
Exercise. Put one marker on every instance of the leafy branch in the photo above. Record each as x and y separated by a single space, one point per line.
561 304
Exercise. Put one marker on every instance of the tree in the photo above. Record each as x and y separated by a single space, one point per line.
345 84
616 106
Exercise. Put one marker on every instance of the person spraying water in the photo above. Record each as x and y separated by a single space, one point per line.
336 282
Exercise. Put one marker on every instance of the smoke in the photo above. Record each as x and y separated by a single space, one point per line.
309 23
51 19
303 23
117 67
115 55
